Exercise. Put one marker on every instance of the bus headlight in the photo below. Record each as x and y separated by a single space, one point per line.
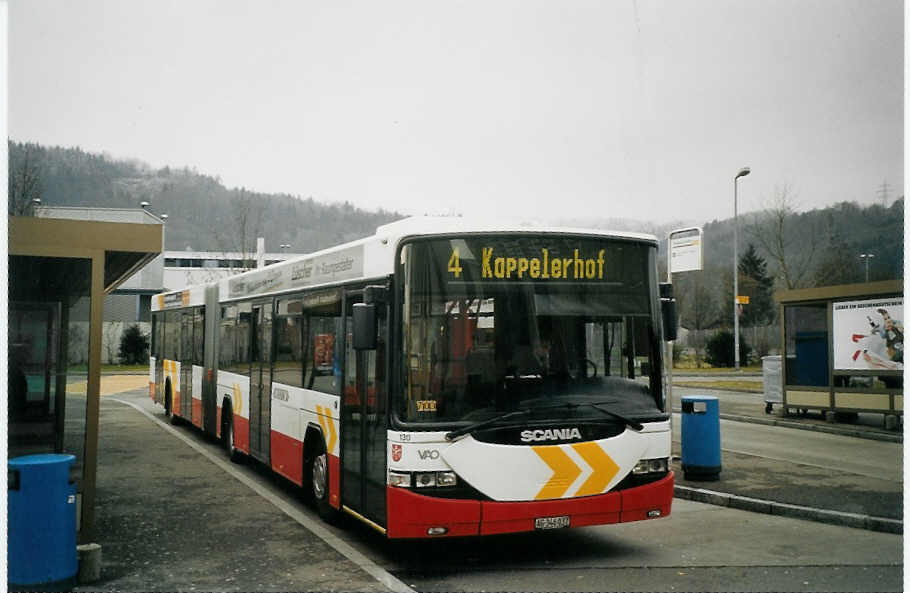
400 479
651 466
444 479
425 479
422 479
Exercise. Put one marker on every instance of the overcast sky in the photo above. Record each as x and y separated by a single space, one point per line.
540 109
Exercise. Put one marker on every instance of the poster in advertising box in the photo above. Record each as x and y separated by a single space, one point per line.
869 335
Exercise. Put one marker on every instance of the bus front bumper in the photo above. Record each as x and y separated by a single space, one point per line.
413 515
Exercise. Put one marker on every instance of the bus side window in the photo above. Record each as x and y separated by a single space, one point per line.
321 317
171 349
242 340
227 337
198 336
288 351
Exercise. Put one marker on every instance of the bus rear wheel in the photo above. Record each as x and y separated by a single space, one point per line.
227 436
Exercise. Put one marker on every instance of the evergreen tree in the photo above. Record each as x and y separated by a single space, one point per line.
758 286
134 346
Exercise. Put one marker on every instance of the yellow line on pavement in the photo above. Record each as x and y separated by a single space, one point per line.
111 384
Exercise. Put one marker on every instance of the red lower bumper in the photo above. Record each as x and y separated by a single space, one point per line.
411 514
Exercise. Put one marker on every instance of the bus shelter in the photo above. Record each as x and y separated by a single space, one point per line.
842 348
59 271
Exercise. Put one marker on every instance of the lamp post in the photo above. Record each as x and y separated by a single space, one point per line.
866 257
742 173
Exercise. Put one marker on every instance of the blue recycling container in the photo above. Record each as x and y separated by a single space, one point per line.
700 437
41 516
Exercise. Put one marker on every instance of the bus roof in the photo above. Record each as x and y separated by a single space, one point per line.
370 257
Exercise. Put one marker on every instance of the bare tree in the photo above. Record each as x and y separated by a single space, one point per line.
238 234
792 249
110 339
24 184
698 310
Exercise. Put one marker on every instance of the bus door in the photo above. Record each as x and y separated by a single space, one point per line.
260 380
186 365
364 420
208 357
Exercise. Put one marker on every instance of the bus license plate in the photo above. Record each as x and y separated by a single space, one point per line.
551 522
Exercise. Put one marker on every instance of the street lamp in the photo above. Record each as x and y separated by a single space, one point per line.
866 257
742 173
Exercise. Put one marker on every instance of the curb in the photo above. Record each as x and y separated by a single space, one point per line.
861 434
770 507
688 385
847 432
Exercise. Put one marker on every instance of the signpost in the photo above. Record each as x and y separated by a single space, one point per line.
685 253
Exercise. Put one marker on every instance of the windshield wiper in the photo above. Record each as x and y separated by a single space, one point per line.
636 426
472 427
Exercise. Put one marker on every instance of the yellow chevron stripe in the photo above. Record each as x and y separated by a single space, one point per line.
333 435
604 468
321 418
564 469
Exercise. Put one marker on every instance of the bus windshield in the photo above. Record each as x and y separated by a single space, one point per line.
495 323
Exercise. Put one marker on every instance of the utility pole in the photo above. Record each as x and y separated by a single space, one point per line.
883 194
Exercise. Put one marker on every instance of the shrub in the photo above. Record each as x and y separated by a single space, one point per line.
134 346
719 349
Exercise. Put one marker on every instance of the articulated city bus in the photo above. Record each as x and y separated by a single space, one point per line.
438 378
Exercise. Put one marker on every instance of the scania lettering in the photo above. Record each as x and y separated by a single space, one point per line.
439 378
550 434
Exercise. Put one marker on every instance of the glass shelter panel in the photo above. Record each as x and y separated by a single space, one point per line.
48 352
807 345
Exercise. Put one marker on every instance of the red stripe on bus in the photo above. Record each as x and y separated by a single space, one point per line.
411 514
197 412
637 502
287 456
334 481
242 433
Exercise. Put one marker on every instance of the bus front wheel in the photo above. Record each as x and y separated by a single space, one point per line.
319 486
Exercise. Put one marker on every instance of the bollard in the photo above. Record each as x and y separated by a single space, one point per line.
700 437
89 563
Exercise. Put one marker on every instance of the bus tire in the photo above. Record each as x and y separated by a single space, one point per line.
167 401
227 436
319 485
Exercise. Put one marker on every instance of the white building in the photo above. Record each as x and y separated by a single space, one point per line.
188 268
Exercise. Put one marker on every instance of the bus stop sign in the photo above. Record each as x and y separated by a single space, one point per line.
686 250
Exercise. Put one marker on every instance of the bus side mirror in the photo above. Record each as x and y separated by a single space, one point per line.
365 327
668 311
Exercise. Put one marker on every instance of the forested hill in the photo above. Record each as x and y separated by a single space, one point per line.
203 214
800 249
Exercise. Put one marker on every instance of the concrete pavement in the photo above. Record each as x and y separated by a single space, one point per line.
170 520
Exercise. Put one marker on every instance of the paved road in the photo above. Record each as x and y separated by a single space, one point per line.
863 457
698 548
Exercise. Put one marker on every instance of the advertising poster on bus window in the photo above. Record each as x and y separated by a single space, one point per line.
869 335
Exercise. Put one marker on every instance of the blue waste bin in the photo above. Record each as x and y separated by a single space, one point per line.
41 515
700 437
